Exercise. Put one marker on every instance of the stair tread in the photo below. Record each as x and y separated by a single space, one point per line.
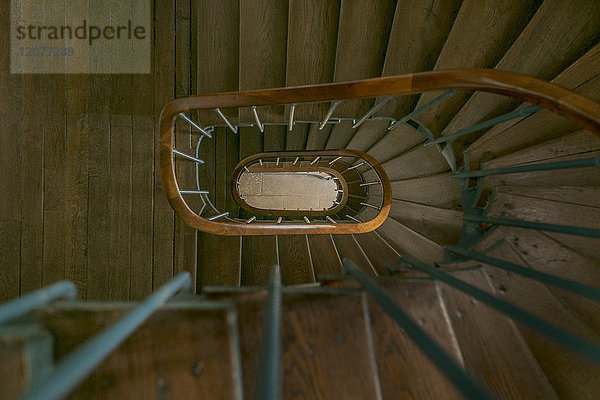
585 196
417 162
419 378
441 225
317 139
313 350
363 32
219 260
348 247
418 34
341 133
542 50
493 350
438 190
259 253
195 357
325 259
312 39
381 255
521 133
571 376
294 260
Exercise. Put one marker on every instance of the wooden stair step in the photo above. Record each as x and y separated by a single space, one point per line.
227 152
311 44
321 331
274 137
576 145
417 162
219 260
382 256
419 377
438 190
217 52
585 196
552 212
442 225
251 141
324 256
196 356
295 260
571 375
262 53
348 247
407 241
363 32
259 253
341 133
418 34
367 134
549 43
297 137
493 350
317 139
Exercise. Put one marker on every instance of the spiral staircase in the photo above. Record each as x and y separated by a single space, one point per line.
482 281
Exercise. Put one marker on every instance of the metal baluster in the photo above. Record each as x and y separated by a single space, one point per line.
463 381
192 158
372 111
422 108
315 160
279 220
328 218
220 113
334 160
22 305
192 123
252 218
291 120
214 217
306 219
75 367
329 113
564 338
353 219
261 127
296 160
269 383
523 112
193 191
369 183
369 205
355 166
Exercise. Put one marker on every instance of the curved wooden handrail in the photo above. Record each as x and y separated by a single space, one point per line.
561 101
239 169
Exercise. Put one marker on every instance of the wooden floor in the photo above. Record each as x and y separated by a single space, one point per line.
79 197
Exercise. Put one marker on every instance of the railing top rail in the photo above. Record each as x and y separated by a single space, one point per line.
575 107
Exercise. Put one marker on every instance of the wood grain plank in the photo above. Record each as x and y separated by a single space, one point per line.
259 253
419 378
317 139
294 260
274 137
216 50
349 248
441 225
311 43
219 260
296 139
589 196
420 161
325 259
233 158
527 132
120 213
557 35
221 181
251 142
32 169
164 90
492 348
195 357
381 255
263 43
570 375
418 34
364 29
368 134
141 206
10 210
340 135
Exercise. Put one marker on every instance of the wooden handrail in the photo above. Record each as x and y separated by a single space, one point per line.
575 107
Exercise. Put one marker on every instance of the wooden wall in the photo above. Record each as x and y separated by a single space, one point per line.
80 196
